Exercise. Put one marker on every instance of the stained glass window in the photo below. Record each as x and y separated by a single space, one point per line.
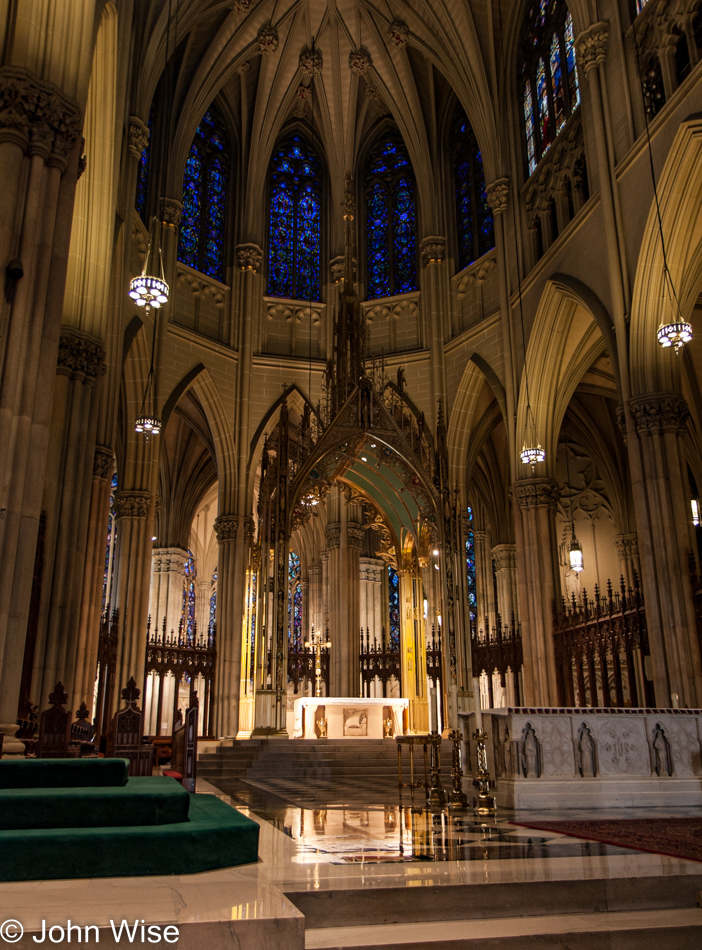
188 616
202 225
394 607
391 220
110 550
640 4
473 215
294 601
548 77
470 571
295 222
213 604
143 173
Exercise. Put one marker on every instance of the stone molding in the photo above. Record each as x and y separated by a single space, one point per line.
80 355
225 527
103 462
360 61
398 34
250 256
591 46
167 560
355 534
537 493
480 534
311 62
433 249
505 557
304 93
267 39
332 535
37 116
315 570
249 530
497 194
132 504
138 136
659 411
244 67
171 211
627 545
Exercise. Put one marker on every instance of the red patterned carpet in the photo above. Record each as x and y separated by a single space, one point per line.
676 837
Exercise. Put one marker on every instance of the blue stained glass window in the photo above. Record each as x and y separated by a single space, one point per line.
188 617
294 601
391 221
143 173
394 607
203 221
573 85
110 549
473 215
548 76
295 222
470 571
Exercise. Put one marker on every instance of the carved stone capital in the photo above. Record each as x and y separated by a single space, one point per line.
241 6
132 504
138 137
360 61
479 535
171 211
332 534
225 527
505 557
355 534
168 560
337 268
627 546
80 355
249 530
267 39
37 116
311 62
398 34
537 493
591 46
250 256
658 412
103 462
497 194
433 250
314 571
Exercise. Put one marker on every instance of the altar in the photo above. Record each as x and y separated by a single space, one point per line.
348 717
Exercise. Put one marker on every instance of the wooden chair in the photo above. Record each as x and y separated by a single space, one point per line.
83 733
124 737
55 727
184 749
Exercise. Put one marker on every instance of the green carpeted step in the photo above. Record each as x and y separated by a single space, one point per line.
214 836
63 773
142 801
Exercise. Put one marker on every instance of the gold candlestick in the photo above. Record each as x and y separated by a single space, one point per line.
315 642
484 804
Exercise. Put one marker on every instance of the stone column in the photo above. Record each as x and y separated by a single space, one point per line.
434 298
355 534
337 628
505 558
40 126
228 642
167 583
665 547
316 611
628 554
485 588
324 613
371 591
538 583
132 580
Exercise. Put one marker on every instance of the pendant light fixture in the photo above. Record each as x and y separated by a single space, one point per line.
575 551
673 329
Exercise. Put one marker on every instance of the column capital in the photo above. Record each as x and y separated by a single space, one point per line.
249 529
332 535
355 534
504 556
591 46
171 211
250 256
315 570
627 545
225 527
479 534
132 504
537 493
103 462
659 412
497 194
138 136
80 355
167 560
433 249
37 116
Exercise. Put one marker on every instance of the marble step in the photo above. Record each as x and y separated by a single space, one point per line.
619 930
338 907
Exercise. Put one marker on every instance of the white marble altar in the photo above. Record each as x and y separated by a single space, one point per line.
591 758
348 717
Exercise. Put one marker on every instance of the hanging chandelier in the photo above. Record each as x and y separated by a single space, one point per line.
531 449
677 332
575 552
151 293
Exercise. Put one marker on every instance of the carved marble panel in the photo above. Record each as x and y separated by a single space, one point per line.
557 747
622 748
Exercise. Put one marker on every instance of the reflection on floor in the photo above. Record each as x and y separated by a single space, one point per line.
353 832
